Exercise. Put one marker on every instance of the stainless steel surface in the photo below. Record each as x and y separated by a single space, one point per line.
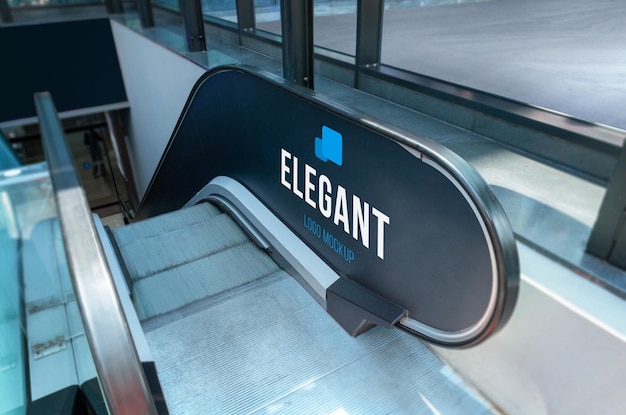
119 370
269 348
289 249
186 256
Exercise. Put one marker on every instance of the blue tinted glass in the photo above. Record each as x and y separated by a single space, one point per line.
222 9
8 159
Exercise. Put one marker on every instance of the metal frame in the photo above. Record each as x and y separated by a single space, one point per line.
297 30
119 369
608 237
369 34
191 11
114 6
246 18
145 13
601 139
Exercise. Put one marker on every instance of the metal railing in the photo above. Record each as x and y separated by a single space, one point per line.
120 373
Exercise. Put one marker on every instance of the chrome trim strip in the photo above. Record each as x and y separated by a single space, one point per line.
121 376
474 330
310 267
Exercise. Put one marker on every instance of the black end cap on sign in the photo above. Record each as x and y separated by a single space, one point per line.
358 309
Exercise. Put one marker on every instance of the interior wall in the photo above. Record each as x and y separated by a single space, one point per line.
158 82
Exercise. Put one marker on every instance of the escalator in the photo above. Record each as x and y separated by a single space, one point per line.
293 262
231 332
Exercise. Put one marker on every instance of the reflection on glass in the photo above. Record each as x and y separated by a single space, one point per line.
335 25
533 52
12 376
40 326
8 158
267 15
334 22
397 4
222 9
168 4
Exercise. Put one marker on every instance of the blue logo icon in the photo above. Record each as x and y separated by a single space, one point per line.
330 146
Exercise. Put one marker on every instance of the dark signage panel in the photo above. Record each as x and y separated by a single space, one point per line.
403 217
74 60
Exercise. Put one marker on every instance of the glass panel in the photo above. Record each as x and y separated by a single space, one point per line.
168 4
8 158
535 52
222 9
40 326
267 15
12 362
334 22
335 25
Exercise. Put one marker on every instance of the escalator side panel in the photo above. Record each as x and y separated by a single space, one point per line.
401 215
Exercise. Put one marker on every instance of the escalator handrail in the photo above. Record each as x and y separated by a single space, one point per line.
119 370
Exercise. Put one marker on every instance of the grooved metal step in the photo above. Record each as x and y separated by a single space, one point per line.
270 348
184 284
158 253
165 223
231 333
184 256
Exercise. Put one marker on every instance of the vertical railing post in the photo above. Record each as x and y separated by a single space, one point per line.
369 34
145 13
246 19
297 31
608 236
114 6
191 11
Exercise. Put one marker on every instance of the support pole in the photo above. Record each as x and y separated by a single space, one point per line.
114 6
191 11
245 15
246 19
297 30
369 34
145 13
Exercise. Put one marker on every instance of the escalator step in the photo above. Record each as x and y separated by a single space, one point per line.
271 349
165 223
157 253
196 280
